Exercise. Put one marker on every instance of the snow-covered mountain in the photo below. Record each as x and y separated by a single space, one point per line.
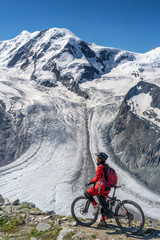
135 133
59 96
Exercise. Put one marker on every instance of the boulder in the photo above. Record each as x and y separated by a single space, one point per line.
41 227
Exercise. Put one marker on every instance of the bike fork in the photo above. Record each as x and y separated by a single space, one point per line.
86 206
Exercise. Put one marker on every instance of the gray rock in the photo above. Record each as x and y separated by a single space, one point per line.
49 212
16 202
63 233
1 199
53 216
12 145
28 204
8 209
134 140
74 224
6 201
41 227
77 236
57 222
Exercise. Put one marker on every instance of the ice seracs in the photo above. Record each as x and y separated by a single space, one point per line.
58 98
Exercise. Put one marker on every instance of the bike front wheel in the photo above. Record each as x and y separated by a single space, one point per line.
83 211
129 217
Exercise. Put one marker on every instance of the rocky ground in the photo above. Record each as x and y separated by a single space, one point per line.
23 221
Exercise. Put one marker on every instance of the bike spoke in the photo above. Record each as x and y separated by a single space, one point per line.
83 211
129 217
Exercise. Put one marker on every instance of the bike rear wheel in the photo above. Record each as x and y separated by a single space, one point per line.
83 211
129 217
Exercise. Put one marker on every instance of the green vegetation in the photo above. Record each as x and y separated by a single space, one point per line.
34 232
69 235
93 236
11 224
22 223
46 235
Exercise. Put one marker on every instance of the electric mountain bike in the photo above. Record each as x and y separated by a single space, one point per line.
128 214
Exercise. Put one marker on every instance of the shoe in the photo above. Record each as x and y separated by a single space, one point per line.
108 213
102 224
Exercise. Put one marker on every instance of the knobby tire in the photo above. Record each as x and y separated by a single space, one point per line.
129 217
82 217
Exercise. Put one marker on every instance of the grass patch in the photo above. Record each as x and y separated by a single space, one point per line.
46 235
34 232
70 218
69 235
93 236
60 217
11 224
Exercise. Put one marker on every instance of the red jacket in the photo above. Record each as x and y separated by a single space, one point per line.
101 185
99 174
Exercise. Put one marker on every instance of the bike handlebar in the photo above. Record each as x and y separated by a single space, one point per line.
115 187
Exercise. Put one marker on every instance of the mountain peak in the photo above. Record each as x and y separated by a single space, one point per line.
25 32
59 55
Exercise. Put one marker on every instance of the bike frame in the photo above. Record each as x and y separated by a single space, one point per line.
126 209
110 202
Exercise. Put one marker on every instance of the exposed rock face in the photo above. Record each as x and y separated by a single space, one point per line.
12 130
135 133
53 134
58 55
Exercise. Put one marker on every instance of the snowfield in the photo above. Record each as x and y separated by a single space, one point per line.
64 128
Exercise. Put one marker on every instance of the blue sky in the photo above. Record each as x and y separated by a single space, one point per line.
132 25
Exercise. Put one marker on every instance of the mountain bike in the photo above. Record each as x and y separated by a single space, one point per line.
128 214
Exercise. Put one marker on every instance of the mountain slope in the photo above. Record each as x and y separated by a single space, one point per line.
135 133
59 96
55 55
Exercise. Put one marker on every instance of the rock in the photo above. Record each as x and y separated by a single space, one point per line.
77 236
75 224
49 212
53 216
154 224
36 212
63 233
16 202
8 209
46 217
64 219
15 208
41 227
28 204
1 199
133 137
57 222
6 201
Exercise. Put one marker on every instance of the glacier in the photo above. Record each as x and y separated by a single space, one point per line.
64 128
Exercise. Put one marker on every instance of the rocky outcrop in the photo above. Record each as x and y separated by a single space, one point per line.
22 220
135 133
64 56
12 130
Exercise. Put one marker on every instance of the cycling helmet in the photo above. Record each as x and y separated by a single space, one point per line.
102 155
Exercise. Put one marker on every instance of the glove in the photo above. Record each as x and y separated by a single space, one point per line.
90 183
87 184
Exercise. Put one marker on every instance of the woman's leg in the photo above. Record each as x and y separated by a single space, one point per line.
89 193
